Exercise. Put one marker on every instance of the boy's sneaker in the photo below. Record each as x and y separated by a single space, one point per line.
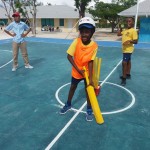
121 77
28 66
65 109
89 115
123 82
14 69
128 76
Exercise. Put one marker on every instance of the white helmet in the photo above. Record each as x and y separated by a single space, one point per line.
87 22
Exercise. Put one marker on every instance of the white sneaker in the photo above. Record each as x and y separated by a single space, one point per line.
28 66
14 68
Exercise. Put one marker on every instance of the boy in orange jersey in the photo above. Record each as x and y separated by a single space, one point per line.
81 53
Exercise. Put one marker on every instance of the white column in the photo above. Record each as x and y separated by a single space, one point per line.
136 16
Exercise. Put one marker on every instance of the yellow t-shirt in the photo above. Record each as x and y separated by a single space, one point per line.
72 48
128 34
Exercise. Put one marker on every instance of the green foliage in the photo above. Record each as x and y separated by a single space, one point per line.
49 4
125 3
108 12
21 8
23 5
79 2
40 4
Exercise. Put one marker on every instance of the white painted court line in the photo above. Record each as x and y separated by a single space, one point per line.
76 114
64 129
50 42
7 62
125 108
111 73
103 113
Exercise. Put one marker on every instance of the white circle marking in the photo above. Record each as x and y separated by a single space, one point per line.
104 113
7 62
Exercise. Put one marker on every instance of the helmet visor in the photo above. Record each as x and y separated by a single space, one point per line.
89 26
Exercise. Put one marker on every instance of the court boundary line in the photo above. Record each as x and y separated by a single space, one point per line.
49 42
39 39
70 43
7 62
99 44
103 113
67 43
50 145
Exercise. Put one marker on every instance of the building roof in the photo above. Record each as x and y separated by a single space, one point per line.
58 11
144 9
52 11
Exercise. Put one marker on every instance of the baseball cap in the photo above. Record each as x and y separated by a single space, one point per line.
16 14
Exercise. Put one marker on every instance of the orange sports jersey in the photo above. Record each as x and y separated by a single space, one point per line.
82 55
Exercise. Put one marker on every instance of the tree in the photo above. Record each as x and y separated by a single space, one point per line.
49 4
81 6
108 12
8 5
34 5
125 3
25 7
40 4
22 8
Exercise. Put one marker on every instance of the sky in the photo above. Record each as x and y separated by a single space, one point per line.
66 2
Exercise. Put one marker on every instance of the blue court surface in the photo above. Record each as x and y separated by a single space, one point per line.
30 100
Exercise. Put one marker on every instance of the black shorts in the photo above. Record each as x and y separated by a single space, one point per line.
75 81
127 57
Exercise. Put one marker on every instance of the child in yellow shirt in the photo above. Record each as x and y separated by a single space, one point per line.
129 38
81 53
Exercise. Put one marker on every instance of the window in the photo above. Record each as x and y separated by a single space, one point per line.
61 22
3 22
49 22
